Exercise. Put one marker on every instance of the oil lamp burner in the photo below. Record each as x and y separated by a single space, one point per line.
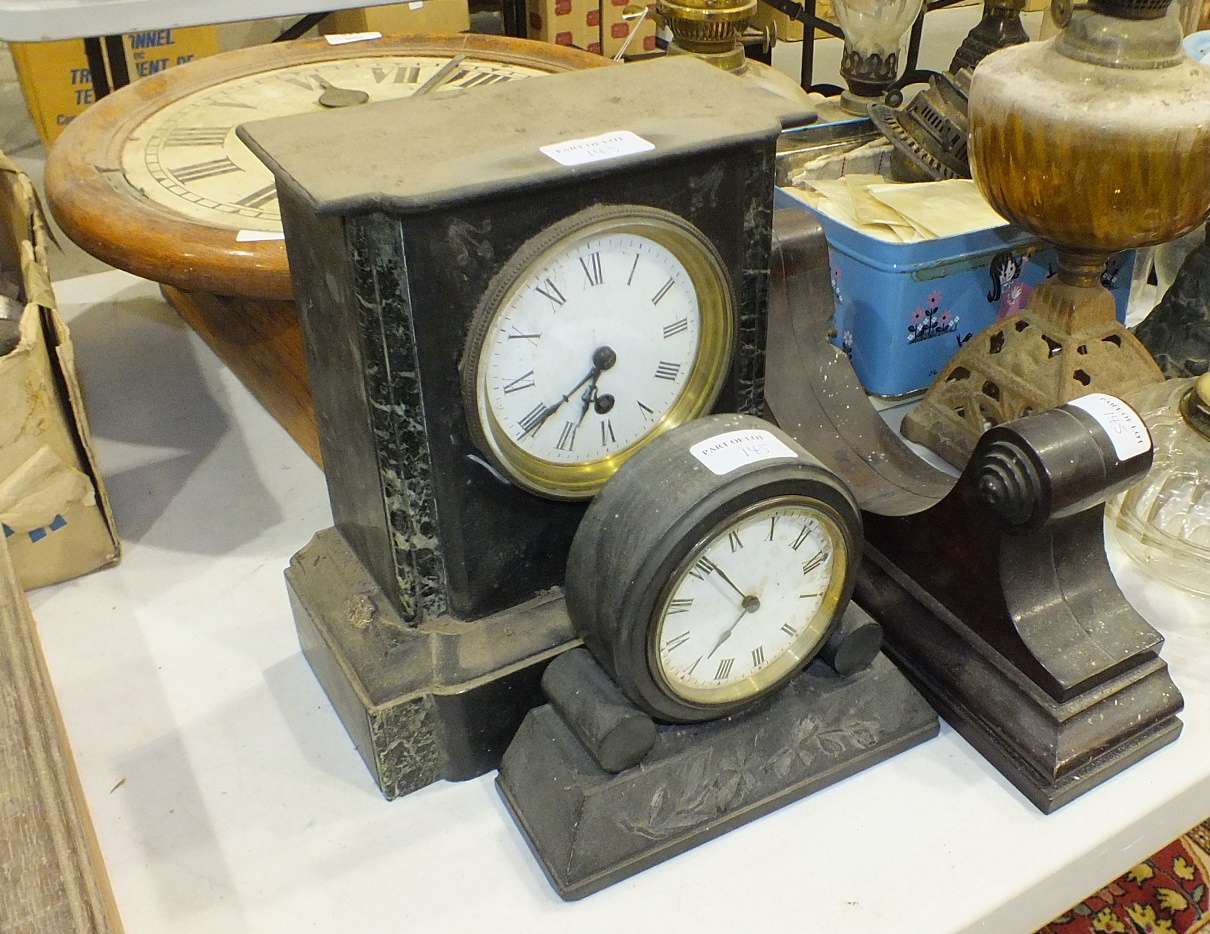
709 29
1095 140
873 34
999 28
930 134
714 31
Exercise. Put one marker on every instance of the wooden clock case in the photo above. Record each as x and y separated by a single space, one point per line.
237 294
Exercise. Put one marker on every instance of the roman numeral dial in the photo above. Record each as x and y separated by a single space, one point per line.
579 335
577 365
186 156
750 601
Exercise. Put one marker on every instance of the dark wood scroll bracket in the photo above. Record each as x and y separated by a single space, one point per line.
993 589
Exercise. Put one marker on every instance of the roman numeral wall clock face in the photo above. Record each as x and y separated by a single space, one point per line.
155 173
187 158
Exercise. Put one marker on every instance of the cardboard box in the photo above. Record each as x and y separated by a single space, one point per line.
57 83
53 508
565 22
616 28
401 18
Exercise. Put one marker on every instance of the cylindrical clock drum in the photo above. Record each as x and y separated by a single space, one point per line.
712 567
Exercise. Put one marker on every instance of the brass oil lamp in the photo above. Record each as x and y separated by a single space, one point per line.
709 29
716 32
1097 140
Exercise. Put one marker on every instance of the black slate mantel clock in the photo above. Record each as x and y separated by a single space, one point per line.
504 295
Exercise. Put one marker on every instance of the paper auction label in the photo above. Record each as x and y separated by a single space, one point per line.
1125 428
253 236
597 148
343 38
734 449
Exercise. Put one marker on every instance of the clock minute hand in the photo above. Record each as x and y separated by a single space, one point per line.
439 77
552 409
726 633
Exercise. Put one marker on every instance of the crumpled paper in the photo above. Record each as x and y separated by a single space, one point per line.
900 212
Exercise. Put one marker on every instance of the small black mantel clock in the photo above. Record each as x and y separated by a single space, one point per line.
504 296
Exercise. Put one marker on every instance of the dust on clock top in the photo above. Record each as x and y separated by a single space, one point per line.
420 153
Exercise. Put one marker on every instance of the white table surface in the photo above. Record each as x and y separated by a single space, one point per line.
41 20
227 796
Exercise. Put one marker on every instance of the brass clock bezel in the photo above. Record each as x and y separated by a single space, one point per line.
717 340
106 216
804 647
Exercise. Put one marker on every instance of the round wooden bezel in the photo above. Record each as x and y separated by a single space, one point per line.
107 217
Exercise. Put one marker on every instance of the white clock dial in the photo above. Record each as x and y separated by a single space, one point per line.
602 332
593 348
186 156
750 602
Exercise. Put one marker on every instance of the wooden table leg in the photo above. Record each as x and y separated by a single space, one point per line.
53 876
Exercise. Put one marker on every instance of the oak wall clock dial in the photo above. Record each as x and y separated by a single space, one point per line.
493 329
153 180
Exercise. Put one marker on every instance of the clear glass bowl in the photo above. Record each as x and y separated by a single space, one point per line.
1163 521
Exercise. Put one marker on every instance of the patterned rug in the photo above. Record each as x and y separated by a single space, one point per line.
1166 894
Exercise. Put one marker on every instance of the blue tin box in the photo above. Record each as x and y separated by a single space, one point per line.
903 309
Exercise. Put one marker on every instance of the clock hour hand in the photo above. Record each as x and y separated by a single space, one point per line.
602 359
587 397
333 96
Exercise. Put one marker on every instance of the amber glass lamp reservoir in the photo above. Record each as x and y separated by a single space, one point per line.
1097 140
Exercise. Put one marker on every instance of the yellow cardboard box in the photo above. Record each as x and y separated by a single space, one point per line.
53 509
565 22
57 83
616 28
401 18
